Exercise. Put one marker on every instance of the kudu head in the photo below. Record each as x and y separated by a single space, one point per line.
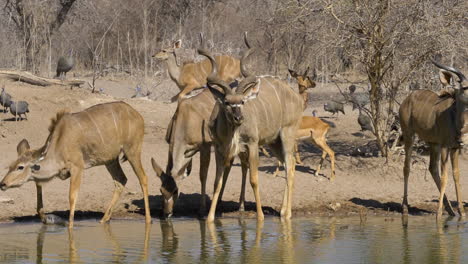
20 171
460 95
231 101
304 81
169 190
166 53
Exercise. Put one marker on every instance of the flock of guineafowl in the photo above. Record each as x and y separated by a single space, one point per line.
359 101
19 108
66 63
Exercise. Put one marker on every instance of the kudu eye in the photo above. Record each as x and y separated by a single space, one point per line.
20 168
35 167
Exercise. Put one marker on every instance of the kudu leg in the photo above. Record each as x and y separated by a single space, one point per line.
245 168
444 155
287 142
277 169
218 182
296 154
75 182
40 204
119 181
205 155
135 162
319 166
253 166
434 169
454 153
226 172
326 150
289 167
406 171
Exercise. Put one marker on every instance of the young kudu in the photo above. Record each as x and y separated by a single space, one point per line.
190 75
314 129
261 111
77 141
311 127
441 121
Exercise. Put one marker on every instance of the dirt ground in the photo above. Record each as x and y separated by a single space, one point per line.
361 181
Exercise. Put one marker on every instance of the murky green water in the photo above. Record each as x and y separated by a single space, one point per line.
303 240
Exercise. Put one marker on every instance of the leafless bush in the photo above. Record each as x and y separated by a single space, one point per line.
388 41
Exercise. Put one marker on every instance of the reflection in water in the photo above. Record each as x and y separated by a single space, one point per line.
170 241
313 240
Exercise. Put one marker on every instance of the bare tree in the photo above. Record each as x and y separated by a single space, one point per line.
386 38
36 23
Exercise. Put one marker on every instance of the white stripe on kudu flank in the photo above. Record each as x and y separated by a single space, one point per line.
128 131
115 123
95 124
78 122
277 97
260 99
255 112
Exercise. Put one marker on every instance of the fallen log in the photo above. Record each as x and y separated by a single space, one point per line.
30 78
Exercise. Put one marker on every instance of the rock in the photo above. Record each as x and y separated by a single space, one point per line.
6 200
334 206
51 219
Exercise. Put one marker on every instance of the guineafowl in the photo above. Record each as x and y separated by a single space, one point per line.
139 93
19 108
334 107
365 122
5 100
359 100
64 65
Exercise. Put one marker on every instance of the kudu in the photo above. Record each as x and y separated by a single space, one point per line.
314 129
77 141
261 111
187 134
441 121
190 75
311 127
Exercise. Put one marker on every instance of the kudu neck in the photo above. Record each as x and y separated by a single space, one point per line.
460 109
225 128
305 96
174 69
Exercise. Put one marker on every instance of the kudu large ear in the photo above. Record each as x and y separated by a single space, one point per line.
312 84
293 73
445 77
22 147
193 93
178 44
156 168
251 90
